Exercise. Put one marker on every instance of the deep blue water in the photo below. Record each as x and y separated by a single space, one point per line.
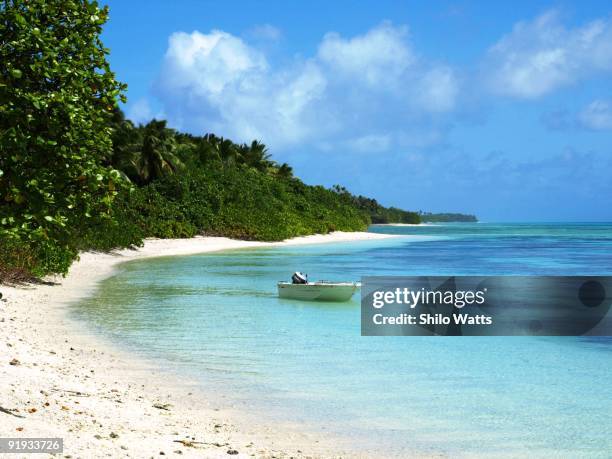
217 318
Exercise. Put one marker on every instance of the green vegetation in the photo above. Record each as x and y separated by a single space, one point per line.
56 97
446 217
177 185
376 212
76 175
191 185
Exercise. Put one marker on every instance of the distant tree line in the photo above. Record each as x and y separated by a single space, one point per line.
427 217
378 214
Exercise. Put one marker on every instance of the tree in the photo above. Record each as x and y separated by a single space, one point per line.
57 95
285 171
228 152
207 150
145 153
256 155
157 157
127 143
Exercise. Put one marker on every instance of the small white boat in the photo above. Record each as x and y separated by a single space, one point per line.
316 291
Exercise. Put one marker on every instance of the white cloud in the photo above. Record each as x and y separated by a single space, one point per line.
438 89
349 91
381 56
597 115
384 62
208 64
541 56
140 111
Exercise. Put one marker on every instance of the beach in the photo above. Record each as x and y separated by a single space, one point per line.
57 379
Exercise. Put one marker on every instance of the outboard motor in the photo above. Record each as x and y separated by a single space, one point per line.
299 278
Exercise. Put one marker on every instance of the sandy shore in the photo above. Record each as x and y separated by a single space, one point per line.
58 380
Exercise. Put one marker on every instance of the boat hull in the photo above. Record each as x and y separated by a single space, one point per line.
317 291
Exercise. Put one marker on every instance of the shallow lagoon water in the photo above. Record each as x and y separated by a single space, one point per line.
216 317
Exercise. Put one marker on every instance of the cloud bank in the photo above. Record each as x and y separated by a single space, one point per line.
140 111
371 92
363 90
542 55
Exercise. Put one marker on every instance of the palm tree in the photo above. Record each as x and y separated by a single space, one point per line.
158 147
213 149
207 149
285 171
228 152
127 143
145 153
256 155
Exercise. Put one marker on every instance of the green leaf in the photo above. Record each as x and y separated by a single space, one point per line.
16 73
20 19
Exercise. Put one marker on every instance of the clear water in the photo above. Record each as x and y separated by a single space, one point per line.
217 317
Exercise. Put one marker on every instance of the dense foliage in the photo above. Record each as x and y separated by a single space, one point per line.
377 212
190 185
446 217
56 97
238 202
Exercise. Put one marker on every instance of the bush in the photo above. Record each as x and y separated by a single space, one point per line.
236 202
16 262
122 231
22 261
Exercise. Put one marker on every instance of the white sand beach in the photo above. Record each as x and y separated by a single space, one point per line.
59 380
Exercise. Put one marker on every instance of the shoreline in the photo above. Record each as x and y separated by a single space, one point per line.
404 224
62 380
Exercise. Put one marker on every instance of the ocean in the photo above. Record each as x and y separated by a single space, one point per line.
216 318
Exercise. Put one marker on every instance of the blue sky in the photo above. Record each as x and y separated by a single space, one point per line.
499 109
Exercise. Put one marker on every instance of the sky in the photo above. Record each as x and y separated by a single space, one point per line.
501 109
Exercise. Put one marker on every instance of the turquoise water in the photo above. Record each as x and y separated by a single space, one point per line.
217 318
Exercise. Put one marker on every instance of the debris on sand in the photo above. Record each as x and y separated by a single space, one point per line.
162 406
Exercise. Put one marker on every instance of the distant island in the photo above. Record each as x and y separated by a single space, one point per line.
427 217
